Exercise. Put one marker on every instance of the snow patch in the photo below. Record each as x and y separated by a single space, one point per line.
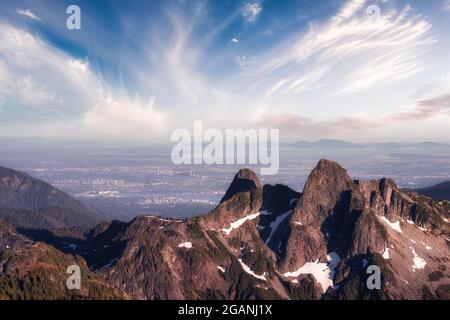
410 221
426 246
322 272
71 246
385 253
298 223
423 229
109 264
395 225
276 223
187 245
419 263
240 222
221 269
250 272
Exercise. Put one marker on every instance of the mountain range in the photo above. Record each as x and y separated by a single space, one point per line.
260 242
340 144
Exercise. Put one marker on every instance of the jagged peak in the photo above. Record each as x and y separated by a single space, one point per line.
328 172
245 180
327 165
387 182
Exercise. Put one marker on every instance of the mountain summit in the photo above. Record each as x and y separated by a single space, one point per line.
244 180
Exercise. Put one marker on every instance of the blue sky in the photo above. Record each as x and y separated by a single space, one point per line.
137 70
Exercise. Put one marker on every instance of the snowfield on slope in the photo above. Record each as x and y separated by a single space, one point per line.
276 223
322 272
419 263
250 272
240 222
393 225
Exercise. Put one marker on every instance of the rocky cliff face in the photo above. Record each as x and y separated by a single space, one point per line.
267 242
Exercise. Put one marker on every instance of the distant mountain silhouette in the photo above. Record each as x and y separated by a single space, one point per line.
340 144
438 192
27 202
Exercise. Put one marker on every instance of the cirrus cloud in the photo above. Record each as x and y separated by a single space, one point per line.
28 13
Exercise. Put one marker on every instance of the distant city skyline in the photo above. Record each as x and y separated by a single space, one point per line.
137 70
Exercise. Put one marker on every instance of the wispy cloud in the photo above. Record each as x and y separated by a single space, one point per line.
42 80
424 109
251 10
446 5
28 13
295 127
358 53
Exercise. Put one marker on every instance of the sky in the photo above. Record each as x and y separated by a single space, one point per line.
356 70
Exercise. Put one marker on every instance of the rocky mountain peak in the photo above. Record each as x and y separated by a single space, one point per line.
327 174
323 189
245 180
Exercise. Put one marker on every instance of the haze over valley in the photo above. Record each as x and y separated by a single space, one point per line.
122 182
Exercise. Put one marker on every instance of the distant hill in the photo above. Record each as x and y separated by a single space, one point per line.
325 143
340 144
27 202
438 192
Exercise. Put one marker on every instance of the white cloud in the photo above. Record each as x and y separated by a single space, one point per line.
251 10
79 64
350 8
356 53
28 14
115 118
234 40
446 5
49 83
308 81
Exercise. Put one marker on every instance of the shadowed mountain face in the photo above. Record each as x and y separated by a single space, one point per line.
34 270
270 242
27 202
438 192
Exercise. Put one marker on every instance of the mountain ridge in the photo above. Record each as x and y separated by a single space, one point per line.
271 242
25 199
